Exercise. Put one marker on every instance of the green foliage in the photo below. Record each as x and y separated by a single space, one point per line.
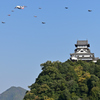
95 93
66 81
65 95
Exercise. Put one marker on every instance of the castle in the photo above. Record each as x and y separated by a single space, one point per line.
82 52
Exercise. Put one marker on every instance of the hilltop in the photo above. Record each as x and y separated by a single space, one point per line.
66 81
13 93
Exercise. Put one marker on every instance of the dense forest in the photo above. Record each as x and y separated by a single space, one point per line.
66 81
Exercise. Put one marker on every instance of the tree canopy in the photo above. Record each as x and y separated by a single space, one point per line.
66 81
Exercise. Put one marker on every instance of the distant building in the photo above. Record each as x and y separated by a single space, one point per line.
82 52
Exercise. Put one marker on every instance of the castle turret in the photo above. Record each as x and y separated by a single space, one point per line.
82 52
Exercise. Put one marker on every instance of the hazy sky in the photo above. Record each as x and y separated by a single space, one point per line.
25 42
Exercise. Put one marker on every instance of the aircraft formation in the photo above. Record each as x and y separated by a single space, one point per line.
22 7
17 7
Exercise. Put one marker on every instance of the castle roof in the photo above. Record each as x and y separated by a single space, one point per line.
82 43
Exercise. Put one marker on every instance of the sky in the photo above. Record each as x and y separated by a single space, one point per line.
25 42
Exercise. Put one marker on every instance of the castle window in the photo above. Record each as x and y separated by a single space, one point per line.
80 55
86 55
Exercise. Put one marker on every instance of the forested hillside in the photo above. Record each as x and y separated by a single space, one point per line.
66 81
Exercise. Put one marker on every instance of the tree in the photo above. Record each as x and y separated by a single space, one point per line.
95 93
65 95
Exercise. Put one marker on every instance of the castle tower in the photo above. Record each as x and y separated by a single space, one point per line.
82 52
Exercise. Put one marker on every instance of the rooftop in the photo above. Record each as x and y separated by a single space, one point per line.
82 42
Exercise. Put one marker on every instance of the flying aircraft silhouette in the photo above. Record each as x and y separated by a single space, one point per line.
66 7
3 22
43 22
20 7
89 10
